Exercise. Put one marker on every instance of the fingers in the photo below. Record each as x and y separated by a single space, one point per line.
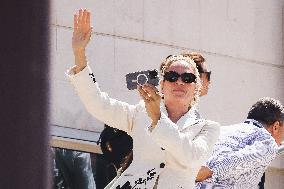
88 19
149 93
82 20
144 94
75 20
85 14
88 34
152 91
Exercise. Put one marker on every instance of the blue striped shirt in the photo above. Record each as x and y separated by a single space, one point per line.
240 157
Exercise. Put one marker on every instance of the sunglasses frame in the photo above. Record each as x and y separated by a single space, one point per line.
176 76
208 75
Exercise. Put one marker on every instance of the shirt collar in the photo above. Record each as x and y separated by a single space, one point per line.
189 118
254 122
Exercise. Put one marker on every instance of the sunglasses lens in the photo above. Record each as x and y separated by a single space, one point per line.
171 76
188 77
185 77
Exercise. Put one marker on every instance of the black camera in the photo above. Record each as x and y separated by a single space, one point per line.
141 78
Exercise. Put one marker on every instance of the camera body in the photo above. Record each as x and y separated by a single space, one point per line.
141 78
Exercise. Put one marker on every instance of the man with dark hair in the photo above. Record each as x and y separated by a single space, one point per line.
244 150
202 69
117 155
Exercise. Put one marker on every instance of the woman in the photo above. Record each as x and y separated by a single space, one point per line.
169 142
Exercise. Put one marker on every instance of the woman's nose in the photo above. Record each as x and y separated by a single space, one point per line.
179 81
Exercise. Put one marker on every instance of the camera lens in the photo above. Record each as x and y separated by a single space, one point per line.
142 79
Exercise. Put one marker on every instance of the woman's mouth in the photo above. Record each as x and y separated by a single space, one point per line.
179 91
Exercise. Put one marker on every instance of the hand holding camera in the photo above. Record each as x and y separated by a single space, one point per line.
145 82
152 99
140 78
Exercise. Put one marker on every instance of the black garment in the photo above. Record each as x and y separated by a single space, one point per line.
117 147
72 170
261 184
104 171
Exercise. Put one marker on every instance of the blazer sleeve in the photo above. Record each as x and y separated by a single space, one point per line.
188 151
108 110
234 163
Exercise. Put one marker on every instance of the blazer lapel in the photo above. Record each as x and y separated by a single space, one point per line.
191 118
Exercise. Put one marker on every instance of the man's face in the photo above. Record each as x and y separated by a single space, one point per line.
278 132
205 80
280 135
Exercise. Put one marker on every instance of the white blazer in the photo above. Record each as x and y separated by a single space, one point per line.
174 152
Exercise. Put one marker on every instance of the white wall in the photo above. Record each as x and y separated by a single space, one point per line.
242 41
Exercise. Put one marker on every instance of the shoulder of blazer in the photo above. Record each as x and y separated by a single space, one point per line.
212 123
207 125
212 127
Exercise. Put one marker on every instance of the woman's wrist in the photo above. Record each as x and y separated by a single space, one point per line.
80 60
155 121
76 69
154 124
79 50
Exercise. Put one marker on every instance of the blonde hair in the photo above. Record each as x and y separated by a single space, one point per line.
176 58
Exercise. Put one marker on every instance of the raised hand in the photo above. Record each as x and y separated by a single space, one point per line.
81 37
152 99
82 30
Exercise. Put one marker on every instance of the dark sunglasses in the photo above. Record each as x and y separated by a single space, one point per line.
208 75
172 76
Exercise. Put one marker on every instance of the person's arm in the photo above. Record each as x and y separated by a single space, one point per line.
203 174
188 150
110 111
233 163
